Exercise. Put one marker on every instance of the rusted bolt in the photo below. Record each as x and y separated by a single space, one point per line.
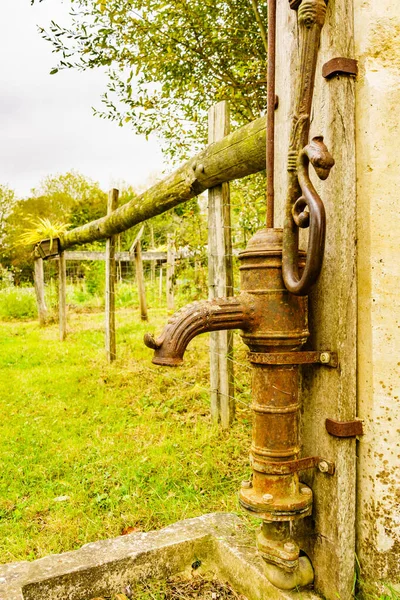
267 497
246 484
289 547
323 466
325 357
305 490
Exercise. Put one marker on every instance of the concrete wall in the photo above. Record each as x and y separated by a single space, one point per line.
376 45
377 40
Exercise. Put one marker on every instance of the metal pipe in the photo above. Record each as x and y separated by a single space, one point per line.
270 147
192 320
272 322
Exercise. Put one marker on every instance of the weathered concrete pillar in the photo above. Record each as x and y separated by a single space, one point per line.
355 307
377 37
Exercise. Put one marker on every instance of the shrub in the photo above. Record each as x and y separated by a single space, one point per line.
18 303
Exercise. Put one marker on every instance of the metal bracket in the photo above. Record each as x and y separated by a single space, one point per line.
325 357
344 429
294 466
340 66
294 4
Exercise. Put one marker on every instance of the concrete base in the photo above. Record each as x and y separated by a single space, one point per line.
220 541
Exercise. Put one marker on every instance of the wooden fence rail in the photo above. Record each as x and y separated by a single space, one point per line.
239 154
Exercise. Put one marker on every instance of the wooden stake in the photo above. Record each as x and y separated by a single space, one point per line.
170 273
62 296
140 281
111 271
153 264
160 285
220 278
39 291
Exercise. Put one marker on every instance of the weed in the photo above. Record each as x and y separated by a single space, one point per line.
178 588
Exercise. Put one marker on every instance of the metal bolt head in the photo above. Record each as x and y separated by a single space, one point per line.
246 485
325 357
267 497
323 466
290 547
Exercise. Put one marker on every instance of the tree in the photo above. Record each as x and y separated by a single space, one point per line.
168 62
7 202
68 198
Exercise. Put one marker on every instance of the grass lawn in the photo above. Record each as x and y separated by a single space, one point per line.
91 450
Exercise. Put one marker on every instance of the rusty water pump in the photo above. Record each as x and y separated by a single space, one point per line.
273 324
271 312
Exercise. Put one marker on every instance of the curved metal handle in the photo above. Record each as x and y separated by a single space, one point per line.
317 153
311 18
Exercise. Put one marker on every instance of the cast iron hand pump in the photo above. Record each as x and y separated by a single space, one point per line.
271 312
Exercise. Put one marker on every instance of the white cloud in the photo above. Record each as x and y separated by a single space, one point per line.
46 121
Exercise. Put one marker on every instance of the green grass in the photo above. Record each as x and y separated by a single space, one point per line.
17 303
126 445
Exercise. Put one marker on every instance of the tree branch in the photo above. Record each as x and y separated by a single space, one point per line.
261 25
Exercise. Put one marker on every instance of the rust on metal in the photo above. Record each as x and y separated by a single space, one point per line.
304 207
327 358
295 466
344 429
274 326
294 4
340 66
196 318
271 100
48 248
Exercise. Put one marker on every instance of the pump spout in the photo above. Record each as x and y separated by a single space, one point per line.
193 319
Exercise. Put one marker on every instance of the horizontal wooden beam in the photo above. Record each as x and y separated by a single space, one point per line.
119 256
239 154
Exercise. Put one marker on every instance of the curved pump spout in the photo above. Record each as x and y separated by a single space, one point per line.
190 321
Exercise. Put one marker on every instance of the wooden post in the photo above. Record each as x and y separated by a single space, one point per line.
160 284
140 281
136 250
39 291
111 272
153 262
62 296
220 278
170 273
119 265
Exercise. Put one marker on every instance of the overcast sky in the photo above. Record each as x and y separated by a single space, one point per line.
46 121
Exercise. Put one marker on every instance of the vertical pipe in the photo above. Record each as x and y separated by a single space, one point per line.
271 111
